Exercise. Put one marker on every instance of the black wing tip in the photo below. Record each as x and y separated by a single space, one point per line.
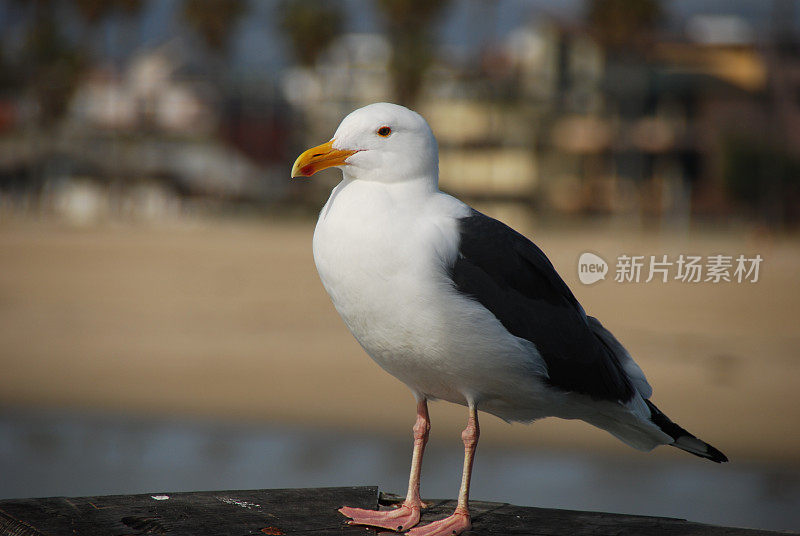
715 455
703 450
683 439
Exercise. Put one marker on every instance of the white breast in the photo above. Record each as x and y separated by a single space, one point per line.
381 252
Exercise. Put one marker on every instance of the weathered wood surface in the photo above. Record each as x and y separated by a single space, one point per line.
305 511
503 518
206 513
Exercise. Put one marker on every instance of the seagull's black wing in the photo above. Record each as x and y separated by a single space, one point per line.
515 280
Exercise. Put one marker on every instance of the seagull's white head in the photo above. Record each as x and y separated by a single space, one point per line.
381 142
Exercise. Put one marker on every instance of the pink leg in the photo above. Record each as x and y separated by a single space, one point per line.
407 515
459 521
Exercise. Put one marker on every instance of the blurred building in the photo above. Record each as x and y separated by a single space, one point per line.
548 118
153 92
154 139
702 122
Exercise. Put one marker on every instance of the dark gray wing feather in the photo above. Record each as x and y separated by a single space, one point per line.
510 276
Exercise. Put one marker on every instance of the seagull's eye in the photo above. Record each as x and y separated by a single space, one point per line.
384 131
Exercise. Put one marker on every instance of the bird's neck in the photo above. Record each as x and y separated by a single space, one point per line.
410 187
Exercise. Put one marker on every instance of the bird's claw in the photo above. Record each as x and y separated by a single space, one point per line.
398 520
449 526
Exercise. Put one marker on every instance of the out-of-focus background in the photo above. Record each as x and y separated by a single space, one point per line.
162 327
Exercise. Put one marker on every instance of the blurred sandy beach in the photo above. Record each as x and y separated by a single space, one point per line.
228 319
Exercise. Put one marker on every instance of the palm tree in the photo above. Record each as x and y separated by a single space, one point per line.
624 26
408 26
214 20
94 11
50 64
310 26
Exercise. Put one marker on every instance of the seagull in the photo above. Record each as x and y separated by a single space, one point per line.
462 308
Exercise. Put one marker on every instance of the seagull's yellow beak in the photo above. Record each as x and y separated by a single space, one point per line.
318 158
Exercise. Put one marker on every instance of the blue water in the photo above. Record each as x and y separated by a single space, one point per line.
75 454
